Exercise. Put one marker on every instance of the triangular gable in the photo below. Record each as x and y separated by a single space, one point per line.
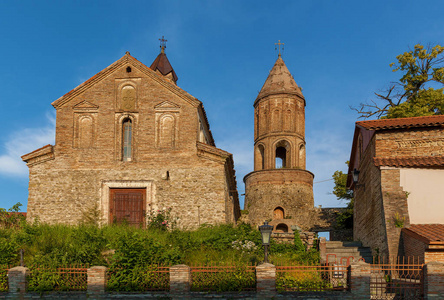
166 105
85 105
127 59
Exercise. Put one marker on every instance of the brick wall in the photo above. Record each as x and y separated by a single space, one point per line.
434 280
411 142
434 255
395 208
368 216
413 247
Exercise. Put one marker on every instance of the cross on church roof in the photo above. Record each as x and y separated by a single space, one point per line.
162 44
276 47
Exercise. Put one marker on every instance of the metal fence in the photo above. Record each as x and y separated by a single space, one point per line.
141 279
311 278
223 278
68 278
397 278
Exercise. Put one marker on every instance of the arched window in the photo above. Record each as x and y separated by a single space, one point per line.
86 132
127 130
167 128
278 213
260 157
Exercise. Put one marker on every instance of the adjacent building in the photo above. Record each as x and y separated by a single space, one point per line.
398 171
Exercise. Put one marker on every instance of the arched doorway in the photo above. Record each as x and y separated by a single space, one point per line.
281 228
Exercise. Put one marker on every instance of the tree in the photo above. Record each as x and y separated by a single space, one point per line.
345 219
414 94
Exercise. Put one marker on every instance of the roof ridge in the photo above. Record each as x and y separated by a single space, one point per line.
422 121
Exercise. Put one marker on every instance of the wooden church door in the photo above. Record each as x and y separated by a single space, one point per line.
278 213
128 205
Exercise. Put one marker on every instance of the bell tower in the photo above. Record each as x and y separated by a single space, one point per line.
279 187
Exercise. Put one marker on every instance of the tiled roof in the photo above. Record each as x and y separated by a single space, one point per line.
162 64
402 122
431 233
409 161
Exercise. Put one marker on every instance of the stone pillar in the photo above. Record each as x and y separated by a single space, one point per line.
266 278
323 249
96 281
360 273
17 280
180 279
434 280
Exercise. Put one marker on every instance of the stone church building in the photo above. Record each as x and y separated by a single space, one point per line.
129 141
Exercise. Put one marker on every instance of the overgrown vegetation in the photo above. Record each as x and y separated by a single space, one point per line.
345 219
125 247
133 255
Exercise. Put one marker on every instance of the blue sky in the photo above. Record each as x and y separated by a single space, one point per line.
338 52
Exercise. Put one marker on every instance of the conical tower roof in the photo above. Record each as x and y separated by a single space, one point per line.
162 64
279 81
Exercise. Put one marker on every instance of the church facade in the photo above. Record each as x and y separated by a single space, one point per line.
130 142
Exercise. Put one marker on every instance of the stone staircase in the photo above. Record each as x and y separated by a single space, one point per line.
344 252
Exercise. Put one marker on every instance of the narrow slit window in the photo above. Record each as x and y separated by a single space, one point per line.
127 139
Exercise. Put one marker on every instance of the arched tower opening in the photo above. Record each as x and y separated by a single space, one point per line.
282 155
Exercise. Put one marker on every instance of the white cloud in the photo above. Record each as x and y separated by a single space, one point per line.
23 141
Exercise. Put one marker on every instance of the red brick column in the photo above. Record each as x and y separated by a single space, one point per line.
180 279
96 280
17 280
360 274
434 280
266 278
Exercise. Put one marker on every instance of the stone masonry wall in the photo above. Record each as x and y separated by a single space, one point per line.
291 189
193 178
369 222
65 195
395 208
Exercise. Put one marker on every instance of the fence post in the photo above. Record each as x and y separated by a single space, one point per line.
323 249
180 279
360 274
18 281
96 280
434 280
266 278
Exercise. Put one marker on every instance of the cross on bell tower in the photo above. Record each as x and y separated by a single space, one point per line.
162 44
278 44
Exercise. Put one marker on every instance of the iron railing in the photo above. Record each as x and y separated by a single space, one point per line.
223 278
67 278
397 278
311 278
